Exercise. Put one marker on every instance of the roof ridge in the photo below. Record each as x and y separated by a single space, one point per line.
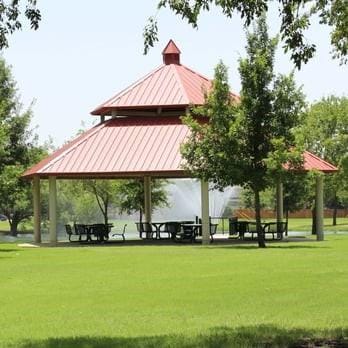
78 143
132 86
183 90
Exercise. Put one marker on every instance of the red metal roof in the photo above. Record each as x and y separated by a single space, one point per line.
136 146
312 162
120 147
170 85
131 147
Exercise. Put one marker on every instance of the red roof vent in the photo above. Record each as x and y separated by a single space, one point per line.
171 54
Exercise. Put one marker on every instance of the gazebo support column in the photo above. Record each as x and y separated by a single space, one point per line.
279 199
319 206
52 208
36 206
205 212
147 198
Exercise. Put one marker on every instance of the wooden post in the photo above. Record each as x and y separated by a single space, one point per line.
279 199
52 208
147 198
205 212
36 206
319 205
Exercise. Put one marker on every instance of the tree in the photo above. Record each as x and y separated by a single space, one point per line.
106 193
325 133
295 20
76 204
131 196
10 18
234 144
18 150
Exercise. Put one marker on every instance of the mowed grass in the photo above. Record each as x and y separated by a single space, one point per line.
305 224
174 296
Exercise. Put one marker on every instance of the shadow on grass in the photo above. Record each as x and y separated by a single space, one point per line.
251 336
268 246
8 250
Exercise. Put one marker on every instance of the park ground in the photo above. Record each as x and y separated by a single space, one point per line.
295 224
290 294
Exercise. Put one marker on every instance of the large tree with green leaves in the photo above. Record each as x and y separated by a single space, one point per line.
246 143
296 17
18 151
325 133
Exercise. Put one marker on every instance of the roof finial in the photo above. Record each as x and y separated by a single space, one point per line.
171 54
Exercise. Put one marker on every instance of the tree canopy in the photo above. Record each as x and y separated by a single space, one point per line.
325 133
296 17
246 143
18 151
11 19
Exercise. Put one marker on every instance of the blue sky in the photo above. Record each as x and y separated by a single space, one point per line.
87 51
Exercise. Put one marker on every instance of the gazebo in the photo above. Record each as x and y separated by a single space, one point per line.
139 136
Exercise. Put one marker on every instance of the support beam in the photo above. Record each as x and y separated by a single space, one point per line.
147 198
279 199
52 208
205 212
319 205
36 206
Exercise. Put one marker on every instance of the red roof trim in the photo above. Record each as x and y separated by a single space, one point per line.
312 162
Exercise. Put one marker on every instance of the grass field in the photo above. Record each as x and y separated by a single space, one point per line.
175 296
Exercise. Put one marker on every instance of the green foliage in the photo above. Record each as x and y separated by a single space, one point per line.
325 133
131 195
18 150
106 193
76 204
87 201
10 18
211 149
295 21
249 143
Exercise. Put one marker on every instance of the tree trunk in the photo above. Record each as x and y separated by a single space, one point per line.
334 213
140 215
314 219
105 213
287 221
13 227
260 234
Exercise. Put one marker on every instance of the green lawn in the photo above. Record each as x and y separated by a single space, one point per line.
305 224
174 296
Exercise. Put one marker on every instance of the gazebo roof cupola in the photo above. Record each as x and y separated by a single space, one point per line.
171 54
168 90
